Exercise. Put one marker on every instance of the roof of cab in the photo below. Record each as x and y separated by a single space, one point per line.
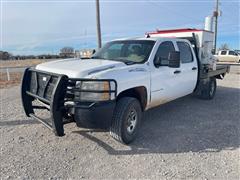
144 38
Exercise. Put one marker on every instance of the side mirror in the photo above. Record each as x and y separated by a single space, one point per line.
157 61
174 59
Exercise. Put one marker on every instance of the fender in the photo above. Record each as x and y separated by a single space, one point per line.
129 78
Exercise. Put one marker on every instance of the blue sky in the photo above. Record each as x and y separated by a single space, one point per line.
45 26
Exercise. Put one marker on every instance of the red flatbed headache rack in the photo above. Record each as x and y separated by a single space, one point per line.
167 31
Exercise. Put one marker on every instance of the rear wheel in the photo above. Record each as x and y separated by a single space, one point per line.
209 90
126 120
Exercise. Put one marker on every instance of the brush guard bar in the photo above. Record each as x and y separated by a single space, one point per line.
53 91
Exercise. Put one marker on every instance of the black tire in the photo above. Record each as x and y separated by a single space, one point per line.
126 120
208 92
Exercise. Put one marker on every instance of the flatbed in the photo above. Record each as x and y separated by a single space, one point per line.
219 73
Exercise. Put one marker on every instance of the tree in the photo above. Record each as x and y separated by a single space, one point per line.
224 47
67 52
4 55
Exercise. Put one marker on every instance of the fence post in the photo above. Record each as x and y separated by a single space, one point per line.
8 75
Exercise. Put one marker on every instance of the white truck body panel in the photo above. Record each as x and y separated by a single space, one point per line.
161 83
171 86
120 81
75 68
102 69
125 75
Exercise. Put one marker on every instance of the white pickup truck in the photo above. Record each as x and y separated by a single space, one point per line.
228 56
122 80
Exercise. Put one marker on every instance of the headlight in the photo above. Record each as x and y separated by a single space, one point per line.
95 91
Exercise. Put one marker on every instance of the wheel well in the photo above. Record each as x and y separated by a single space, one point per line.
139 93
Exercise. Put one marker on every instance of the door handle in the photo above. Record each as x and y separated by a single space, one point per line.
194 68
177 72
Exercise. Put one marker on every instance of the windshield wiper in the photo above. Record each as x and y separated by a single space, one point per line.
127 62
94 57
130 62
97 57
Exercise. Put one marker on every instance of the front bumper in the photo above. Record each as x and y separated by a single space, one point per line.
56 94
97 115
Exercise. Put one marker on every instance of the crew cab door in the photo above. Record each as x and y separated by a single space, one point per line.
165 81
189 68
169 83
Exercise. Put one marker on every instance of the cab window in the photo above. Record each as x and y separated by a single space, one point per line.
163 52
223 52
185 52
127 51
232 53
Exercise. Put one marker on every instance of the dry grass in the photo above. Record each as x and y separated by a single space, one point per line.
15 79
21 63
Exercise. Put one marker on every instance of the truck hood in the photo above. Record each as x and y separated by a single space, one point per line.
77 68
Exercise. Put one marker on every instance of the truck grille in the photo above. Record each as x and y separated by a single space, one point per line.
42 84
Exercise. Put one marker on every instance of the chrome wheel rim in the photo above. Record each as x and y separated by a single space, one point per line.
131 121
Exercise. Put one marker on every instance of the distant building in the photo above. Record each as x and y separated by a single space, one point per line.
67 52
85 53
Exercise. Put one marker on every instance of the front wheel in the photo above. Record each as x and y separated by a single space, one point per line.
126 120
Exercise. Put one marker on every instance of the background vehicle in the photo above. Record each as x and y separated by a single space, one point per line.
124 78
237 51
228 56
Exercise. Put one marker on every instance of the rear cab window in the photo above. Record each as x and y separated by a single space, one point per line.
186 55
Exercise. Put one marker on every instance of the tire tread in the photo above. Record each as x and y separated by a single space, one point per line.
120 109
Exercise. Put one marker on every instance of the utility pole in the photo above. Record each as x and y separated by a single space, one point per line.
215 15
99 38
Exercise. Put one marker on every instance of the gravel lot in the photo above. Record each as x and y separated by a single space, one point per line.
184 139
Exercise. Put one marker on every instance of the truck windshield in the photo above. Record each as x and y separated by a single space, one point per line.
127 51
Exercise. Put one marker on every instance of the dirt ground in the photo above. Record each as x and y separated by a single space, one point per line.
184 139
15 79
